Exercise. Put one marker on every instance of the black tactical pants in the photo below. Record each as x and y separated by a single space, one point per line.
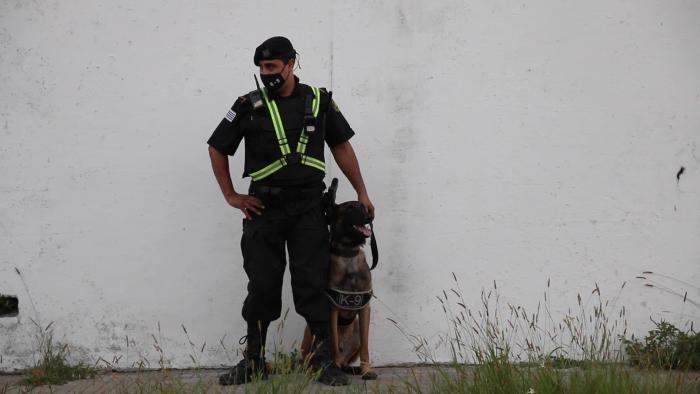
301 226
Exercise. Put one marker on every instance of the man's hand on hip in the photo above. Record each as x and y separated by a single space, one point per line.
246 204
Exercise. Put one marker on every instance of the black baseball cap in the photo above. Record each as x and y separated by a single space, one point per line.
274 48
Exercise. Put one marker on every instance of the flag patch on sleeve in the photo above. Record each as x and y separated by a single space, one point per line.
230 115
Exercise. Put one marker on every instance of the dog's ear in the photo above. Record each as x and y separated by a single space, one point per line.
330 211
330 208
332 190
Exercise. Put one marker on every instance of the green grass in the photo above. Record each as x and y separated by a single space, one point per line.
53 367
504 348
666 347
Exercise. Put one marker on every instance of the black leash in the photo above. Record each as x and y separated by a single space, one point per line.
373 245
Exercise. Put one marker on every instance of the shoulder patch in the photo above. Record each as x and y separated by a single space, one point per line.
230 115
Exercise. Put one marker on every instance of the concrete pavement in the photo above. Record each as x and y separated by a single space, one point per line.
391 379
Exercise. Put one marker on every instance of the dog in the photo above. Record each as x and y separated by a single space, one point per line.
349 286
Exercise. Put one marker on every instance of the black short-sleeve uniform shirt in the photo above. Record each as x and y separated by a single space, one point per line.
243 122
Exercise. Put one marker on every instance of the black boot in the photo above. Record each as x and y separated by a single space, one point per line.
253 364
323 361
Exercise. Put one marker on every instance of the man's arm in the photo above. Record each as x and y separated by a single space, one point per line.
344 155
219 163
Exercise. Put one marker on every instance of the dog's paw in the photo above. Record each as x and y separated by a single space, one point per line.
369 375
352 370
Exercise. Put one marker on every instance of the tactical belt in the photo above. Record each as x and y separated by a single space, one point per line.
273 194
300 156
349 300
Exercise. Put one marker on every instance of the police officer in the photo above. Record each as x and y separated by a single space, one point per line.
285 125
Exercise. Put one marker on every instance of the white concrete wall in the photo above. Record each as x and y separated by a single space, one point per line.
502 141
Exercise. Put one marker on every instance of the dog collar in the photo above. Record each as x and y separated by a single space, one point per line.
342 251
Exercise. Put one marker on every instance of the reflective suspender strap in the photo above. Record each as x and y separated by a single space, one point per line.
315 163
301 145
315 105
278 164
317 101
282 139
277 124
281 136
304 138
268 170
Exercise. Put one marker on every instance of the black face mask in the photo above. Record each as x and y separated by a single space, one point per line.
273 82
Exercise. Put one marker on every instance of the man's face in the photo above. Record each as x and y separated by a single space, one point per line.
273 66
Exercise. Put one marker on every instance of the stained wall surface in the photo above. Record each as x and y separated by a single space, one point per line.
524 149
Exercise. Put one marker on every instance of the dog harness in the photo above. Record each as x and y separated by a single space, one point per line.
349 300
299 157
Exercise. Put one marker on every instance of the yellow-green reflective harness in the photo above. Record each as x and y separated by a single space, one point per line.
287 156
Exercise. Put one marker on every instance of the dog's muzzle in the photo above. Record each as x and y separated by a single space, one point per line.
364 229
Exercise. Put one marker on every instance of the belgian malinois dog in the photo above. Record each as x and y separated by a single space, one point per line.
349 285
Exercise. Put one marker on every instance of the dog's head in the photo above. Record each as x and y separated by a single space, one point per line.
350 224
